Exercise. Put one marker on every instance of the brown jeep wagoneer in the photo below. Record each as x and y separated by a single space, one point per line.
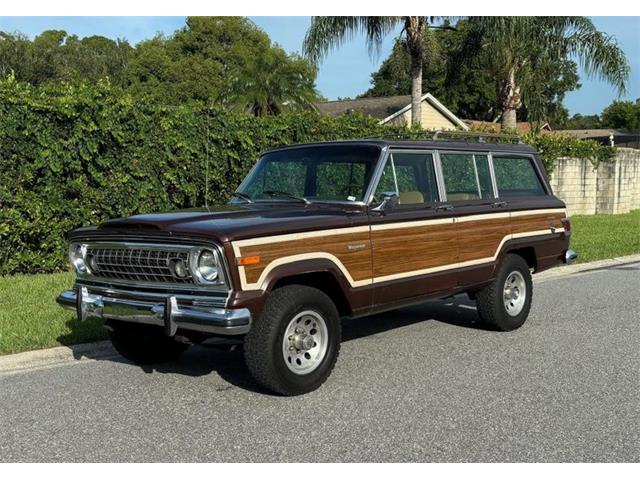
318 232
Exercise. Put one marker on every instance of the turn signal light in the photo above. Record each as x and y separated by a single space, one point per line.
249 260
566 223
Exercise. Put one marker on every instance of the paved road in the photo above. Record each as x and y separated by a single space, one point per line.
420 384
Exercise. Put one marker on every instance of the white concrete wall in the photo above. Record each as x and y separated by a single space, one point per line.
614 187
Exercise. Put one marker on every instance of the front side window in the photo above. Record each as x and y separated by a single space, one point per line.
516 177
466 176
318 173
411 176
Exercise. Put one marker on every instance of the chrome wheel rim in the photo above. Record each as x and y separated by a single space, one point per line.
515 293
305 342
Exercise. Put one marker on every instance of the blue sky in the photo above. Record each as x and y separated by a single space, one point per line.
347 71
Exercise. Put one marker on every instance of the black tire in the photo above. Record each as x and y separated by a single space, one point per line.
263 345
490 300
144 344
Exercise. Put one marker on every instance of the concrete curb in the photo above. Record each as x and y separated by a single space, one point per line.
566 270
58 356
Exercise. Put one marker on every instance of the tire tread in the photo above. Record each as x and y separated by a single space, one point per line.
258 342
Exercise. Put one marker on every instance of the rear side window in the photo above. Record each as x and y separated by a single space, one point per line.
516 177
466 176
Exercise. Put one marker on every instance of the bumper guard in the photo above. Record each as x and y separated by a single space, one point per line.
169 314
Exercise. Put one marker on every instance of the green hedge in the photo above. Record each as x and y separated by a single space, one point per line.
78 155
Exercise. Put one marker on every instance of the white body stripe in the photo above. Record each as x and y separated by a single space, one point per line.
259 284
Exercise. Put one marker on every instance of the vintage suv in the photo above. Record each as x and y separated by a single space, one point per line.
318 232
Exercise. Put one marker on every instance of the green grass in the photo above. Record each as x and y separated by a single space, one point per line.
31 319
596 237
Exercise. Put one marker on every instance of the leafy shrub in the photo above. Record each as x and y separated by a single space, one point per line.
551 147
78 155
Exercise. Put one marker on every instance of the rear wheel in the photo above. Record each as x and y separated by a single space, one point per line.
505 303
144 344
293 347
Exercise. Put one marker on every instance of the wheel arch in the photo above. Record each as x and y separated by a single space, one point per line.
319 273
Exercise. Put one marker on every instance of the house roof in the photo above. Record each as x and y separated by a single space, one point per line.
600 132
377 107
521 127
384 108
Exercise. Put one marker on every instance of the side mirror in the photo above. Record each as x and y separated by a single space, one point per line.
389 200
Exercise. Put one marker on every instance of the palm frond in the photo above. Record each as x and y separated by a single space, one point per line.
327 33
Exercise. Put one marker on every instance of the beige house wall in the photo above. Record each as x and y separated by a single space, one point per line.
432 119
614 187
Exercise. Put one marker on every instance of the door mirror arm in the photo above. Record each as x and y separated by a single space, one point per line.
389 201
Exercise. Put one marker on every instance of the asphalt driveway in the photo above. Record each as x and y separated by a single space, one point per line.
418 384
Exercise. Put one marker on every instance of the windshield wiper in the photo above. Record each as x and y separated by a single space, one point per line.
278 193
243 196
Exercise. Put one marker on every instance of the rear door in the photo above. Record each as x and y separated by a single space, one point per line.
482 220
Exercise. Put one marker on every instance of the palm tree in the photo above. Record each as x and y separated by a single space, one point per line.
326 33
515 46
275 82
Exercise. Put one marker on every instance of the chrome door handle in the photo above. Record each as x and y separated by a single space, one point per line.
498 204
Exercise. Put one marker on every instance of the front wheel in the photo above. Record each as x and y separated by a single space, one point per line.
293 347
505 303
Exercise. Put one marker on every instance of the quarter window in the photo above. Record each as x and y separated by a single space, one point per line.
466 176
516 177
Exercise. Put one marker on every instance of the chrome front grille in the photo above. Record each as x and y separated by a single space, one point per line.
140 264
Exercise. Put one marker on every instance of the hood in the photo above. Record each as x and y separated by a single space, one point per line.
237 221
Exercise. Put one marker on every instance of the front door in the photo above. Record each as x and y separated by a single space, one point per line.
413 243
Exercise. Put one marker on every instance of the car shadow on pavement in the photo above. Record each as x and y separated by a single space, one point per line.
225 356
458 311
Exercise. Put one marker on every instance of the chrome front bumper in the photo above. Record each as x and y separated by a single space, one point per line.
169 314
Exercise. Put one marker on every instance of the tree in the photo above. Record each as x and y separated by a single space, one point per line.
227 61
275 82
517 46
326 33
464 83
14 51
624 115
583 122
55 56
463 86
222 60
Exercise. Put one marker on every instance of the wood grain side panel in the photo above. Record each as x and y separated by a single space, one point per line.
530 223
357 262
409 249
480 239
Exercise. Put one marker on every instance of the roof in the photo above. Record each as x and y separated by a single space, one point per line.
384 108
377 107
426 144
521 127
599 132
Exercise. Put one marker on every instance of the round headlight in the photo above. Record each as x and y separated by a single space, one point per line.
208 265
76 257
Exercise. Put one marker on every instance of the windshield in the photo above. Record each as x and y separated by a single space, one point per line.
308 174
